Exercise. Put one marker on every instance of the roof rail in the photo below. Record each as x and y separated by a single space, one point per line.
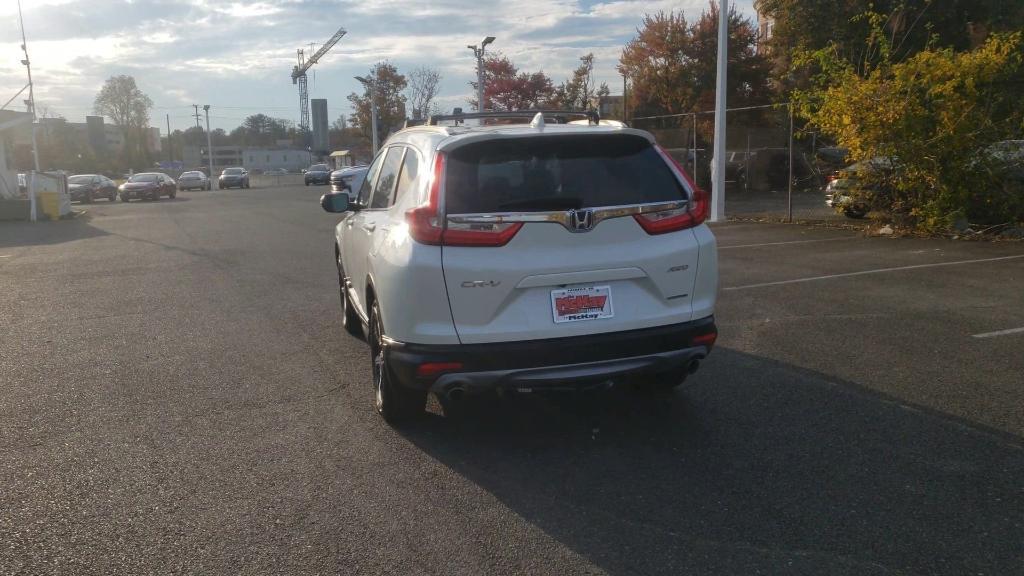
552 116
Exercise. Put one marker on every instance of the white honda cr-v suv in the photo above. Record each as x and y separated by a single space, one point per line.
523 257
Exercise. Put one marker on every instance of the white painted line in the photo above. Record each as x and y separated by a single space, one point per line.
788 242
998 333
6 255
876 271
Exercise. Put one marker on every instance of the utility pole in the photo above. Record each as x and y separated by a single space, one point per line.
479 53
196 106
31 102
718 169
170 149
625 102
209 148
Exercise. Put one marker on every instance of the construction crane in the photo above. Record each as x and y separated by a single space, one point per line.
299 76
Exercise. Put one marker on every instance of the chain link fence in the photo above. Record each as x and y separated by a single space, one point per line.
770 172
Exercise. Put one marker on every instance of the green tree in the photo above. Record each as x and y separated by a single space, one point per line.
909 26
121 100
387 89
930 117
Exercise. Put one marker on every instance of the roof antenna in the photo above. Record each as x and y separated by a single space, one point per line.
538 121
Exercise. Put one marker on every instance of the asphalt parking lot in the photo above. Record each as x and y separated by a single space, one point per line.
177 396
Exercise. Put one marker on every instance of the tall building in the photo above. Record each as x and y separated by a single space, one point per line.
321 139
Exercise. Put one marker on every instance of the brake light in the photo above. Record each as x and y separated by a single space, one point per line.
680 218
425 224
705 339
430 369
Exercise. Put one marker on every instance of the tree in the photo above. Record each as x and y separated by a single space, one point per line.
909 27
929 118
122 101
506 88
260 130
577 93
671 64
339 123
389 85
423 88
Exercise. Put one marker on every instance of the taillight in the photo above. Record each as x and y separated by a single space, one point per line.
431 369
427 226
480 234
705 339
680 218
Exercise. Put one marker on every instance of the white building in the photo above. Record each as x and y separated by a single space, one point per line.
275 158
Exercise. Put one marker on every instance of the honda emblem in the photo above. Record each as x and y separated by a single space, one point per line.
581 220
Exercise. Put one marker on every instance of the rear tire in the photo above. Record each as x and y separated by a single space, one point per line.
112 197
394 402
856 212
88 198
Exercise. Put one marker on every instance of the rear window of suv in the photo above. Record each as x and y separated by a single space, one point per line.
536 174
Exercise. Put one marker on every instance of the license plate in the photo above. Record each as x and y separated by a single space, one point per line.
584 303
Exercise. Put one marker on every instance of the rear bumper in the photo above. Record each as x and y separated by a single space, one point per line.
557 363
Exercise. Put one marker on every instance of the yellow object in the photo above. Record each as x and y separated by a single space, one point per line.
49 204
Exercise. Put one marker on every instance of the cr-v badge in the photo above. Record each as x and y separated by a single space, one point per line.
480 283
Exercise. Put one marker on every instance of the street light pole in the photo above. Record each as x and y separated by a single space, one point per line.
718 169
209 148
31 90
479 53
372 83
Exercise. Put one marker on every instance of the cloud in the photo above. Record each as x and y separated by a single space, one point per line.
238 55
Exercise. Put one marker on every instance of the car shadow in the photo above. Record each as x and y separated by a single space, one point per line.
22 233
751 466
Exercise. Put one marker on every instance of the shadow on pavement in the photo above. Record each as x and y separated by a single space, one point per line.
750 467
14 234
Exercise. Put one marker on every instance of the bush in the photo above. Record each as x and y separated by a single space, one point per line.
934 114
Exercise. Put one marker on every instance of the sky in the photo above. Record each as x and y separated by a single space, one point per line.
238 56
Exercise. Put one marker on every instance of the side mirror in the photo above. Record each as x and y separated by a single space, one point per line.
334 202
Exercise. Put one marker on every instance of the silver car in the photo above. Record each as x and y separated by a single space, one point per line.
194 180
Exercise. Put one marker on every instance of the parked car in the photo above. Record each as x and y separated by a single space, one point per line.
233 178
848 189
524 258
348 179
194 180
88 187
151 185
318 174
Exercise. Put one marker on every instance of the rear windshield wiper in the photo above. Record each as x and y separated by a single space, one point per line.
544 203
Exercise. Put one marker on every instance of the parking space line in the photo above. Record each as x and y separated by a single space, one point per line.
788 242
6 255
998 333
875 271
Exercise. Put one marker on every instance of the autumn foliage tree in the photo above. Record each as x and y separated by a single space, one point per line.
671 63
506 88
932 118
389 85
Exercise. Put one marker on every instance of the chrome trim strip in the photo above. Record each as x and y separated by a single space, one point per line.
564 217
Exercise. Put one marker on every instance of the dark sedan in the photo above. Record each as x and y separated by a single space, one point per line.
318 174
233 178
88 187
151 185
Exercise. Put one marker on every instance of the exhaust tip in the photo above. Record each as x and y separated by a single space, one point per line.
692 366
456 394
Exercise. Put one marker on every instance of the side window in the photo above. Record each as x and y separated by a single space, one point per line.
408 178
371 177
384 189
